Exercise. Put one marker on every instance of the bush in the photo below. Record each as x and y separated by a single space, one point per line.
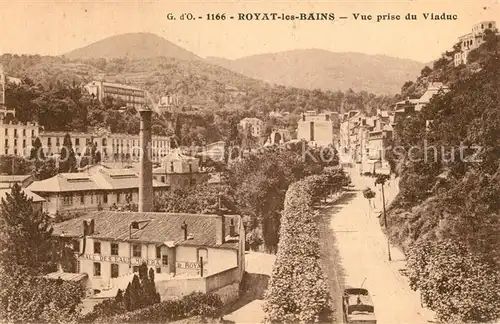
297 290
194 304
25 298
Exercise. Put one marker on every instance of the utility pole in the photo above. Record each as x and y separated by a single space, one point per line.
385 222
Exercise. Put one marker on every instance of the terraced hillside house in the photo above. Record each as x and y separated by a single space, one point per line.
88 192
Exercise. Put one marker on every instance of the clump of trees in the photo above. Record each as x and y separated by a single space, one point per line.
29 251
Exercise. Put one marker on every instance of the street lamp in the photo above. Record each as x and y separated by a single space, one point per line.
381 179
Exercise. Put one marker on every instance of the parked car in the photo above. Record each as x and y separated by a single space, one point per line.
358 306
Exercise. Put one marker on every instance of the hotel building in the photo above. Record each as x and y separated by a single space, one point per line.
132 96
317 129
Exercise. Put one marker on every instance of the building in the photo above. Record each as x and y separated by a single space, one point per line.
17 138
472 40
180 171
317 129
132 96
405 108
4 110
111 246
8 181
188 252
256 126
83 191
112 146
37 202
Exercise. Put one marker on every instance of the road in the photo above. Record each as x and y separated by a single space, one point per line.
362 256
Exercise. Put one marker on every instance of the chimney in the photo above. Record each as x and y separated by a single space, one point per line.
146 168
231 228
220 229
185 228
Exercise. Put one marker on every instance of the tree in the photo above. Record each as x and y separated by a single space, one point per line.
426 71
68 159
44 169
458 285
36 152
369 194
26 235
14 165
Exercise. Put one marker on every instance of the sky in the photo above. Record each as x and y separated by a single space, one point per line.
57 27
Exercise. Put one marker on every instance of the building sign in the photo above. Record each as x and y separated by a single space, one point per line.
120 259
187 265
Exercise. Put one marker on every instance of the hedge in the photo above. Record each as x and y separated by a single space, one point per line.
194 304
297 290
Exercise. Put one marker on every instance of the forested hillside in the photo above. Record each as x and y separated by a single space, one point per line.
447 214
211 98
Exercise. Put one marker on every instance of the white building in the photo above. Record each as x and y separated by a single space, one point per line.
472 40
188 252
132 96
256 126
317 129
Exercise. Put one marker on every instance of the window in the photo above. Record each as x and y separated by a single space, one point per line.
158 270
114 248
163 179
32 133
135 269
91 198
49 141
117 197
24 143
136 251
24 132
97 269
97 247
158 252
164 260
76 245
171 166
6 142
114 270
57 141
15 132
77 141
82 198
105 198
6 132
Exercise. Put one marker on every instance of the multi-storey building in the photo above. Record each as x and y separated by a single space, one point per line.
132 96
112 146
317 129
256 126
179 171
83 191
472 40
17 138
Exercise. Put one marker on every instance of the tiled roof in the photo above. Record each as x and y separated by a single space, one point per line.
104 179
34 196
156 228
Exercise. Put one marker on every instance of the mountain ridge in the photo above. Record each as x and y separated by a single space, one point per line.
132 45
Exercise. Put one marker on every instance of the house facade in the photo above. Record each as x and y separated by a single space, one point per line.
132 96
110 246
317 129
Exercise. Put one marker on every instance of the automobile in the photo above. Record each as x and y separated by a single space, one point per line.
358 306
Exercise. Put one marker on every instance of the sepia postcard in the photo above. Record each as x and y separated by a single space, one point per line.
250 162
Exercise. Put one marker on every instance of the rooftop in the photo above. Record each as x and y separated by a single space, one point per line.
29 194
103 179
157 228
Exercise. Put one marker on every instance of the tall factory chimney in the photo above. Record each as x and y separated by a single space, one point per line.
146 171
